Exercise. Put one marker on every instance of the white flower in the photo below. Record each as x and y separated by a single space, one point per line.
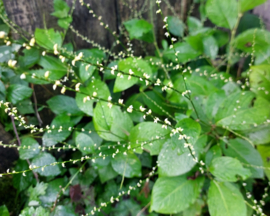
32 42
63 90
120 101
158 11
142 109
167 34
2 34
130 108
77 87
47 73
23 76
12 63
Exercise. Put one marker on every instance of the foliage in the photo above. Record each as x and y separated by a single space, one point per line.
190 136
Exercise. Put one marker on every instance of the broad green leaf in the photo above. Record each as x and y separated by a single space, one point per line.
86 71
221 37
92 55
126 207
194 209
212 153
4 211
29 148
63 211
21 182
252 39
90 131
58 134
30 211
263 56
65 22
61 104
30 58
48 38
35 192
94 86
248 21
186 53
231 105
53 64
222 13
174 194
25 107
225 199
148 135
157 103
180 161
127 165
52 191
210 47
138 67
84 143
61 8
193 24
176 26
260 80
88 177
227 169
246 5
111 123
17 93
264 151
44 159
139 29
258 135
246 154
245 120
106 173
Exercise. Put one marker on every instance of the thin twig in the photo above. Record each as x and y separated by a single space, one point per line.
144 208
19 143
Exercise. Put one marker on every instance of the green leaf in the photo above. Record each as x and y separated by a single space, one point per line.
212 153
139 29
225 199
246 5
227 169
35 192
106 173
4 211
138 67
111 123
127 207
180 160
127 165
186 53
52 191
252 40
174 194
193 24
25 107
245 153
222 13
210 47
61 8
46 159
86 72
65 22
21 182
260 80
61 104
17 93
30 211
97 86
195 209
53 136
231 105
29 148
247 119
264 151
176 26
48 38
151 133
84 143
88 177
258 135
63 211
221 37
30 58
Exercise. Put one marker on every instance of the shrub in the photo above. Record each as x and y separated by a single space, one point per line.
182 132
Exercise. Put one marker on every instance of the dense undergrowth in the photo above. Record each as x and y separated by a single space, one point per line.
183 131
